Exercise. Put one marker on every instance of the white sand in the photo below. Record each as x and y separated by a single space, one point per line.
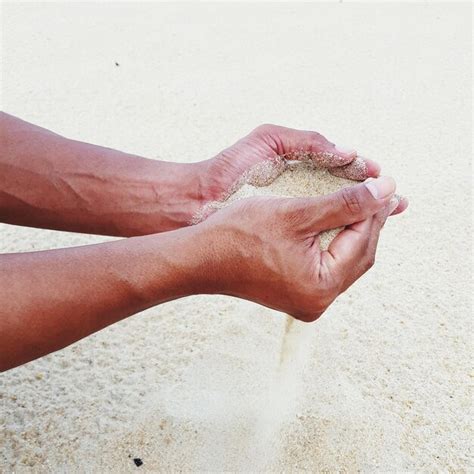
298 179
381 382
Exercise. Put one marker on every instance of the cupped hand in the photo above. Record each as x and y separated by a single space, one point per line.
272 143
266 249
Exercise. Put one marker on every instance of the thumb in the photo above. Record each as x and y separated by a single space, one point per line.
349 205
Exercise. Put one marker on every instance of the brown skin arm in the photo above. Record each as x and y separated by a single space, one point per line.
50 181
264 250
52 298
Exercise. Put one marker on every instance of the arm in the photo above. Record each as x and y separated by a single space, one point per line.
263 250
53 298
49 181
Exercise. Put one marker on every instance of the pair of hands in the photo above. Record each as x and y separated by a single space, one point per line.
261 249
266 249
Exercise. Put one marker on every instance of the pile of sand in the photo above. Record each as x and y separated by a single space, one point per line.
298 179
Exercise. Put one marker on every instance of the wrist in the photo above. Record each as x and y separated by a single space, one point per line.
217 258
161 196
218 177
184 193
193 256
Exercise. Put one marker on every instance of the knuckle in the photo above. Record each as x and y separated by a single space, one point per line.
351 201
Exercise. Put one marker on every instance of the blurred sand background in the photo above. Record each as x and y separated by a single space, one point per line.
381 382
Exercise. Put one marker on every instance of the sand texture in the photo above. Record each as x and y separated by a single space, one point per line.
381 383
299 179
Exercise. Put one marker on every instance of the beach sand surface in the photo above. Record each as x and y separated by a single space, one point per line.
382 381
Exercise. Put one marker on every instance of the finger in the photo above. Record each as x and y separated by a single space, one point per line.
352 242
358 170
352 252
350 204
378 222
373 168
347 257
402 205
307 145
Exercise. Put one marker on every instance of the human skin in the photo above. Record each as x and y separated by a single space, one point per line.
261 249
49 181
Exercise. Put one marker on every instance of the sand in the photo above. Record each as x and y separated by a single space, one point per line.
296 179
382 381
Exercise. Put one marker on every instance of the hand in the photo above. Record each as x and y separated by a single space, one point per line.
275 143
103 191
266 249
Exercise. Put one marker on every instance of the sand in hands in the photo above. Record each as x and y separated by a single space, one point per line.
298 179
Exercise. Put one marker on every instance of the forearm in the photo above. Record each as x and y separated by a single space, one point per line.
50 299
49 181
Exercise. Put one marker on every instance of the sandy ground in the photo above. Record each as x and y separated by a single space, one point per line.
381 382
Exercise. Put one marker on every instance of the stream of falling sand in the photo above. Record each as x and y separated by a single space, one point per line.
280 403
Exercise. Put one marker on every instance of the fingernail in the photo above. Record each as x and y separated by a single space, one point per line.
401 199
345 150
381 187
393 204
